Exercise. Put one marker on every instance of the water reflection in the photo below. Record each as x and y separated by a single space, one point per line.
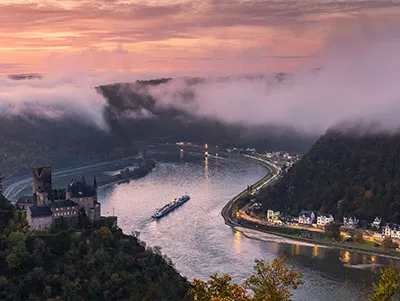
236 242
315 252
295 250
345 257
205 245
206 168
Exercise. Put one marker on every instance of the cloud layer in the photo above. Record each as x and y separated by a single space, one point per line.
180 36
52 99
358 83
354 42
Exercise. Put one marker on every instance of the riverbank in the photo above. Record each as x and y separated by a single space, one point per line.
229 214
14 186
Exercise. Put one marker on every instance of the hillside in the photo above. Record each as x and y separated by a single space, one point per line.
345 172
88 264
30 140
130 114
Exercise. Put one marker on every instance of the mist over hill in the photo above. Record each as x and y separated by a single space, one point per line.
50 126
353 171
136 112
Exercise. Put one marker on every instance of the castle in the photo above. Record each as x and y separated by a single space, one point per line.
48 207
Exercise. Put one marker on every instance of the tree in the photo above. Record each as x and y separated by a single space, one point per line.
218 288
388 285
273 281
388 244
269 282
13 260
1 184
332 230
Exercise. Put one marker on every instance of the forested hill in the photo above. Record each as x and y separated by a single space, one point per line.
131 113
90 263
343 173
134 113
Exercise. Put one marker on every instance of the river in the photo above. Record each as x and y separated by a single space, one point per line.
195 237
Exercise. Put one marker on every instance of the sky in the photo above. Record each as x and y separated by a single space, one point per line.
78 45
181 37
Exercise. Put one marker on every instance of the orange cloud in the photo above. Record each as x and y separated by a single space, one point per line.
175 36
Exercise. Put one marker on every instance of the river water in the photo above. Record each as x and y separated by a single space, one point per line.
195 237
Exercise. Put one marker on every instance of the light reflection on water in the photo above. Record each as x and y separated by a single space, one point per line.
195 237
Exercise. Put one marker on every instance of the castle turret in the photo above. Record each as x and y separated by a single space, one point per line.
94 183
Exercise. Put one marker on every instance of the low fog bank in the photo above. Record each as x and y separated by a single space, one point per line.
134 112
349 85
50 120
354 78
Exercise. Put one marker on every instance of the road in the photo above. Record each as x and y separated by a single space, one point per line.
274 173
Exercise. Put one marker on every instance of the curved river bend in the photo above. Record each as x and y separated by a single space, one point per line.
195 237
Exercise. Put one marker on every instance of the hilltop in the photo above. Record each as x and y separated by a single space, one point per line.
92 262
345 173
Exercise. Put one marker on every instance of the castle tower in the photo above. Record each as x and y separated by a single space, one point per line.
94 187
42 184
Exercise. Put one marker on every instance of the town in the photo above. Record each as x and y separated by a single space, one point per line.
247 210
312 224
49 208
309 221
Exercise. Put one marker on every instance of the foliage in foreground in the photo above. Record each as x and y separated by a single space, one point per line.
95 264
269 282
388 285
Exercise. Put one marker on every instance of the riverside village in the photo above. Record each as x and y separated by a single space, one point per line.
48 208
310 225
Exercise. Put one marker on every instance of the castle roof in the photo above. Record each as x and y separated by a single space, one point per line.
306 213
63 204
25 199
325 215
80 189
40 211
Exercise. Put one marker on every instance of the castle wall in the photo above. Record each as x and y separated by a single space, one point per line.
88 203
40 223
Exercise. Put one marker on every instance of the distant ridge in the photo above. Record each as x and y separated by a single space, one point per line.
24 76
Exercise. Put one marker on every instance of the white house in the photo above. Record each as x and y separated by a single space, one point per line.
376 223
350 222
324 219
306 217
396 232
387 230
391 230
39 217
255 206
273 216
